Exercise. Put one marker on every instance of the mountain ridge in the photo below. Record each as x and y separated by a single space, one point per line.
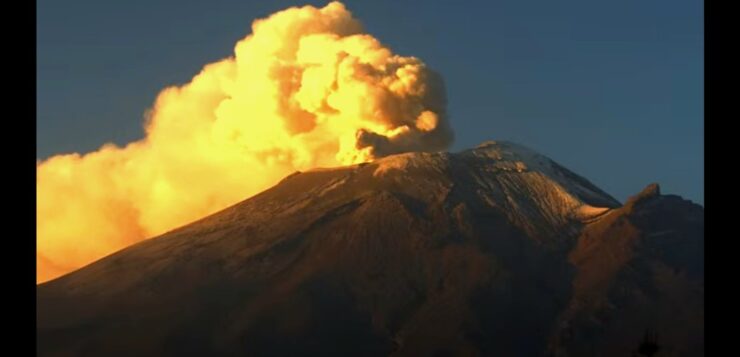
493 250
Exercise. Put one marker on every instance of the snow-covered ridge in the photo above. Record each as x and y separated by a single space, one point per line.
515 157
527 185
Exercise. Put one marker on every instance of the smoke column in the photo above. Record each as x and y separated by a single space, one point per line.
307 88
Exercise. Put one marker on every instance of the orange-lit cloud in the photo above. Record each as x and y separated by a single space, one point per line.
308 88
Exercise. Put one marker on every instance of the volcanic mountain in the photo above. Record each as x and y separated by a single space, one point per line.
493 251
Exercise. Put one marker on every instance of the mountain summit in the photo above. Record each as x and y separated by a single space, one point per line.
493 251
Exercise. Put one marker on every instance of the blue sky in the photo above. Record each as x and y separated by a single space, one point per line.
611 90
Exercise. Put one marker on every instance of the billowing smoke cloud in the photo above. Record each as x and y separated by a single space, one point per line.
306 89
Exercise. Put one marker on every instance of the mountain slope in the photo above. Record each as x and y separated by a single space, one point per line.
492 251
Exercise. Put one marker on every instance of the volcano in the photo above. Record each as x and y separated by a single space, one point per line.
492 251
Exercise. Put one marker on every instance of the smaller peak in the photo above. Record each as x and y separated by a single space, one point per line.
650 191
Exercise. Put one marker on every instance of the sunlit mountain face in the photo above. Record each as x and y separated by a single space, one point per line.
298 199
493 251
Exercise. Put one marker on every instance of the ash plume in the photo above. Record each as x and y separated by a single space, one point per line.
307 88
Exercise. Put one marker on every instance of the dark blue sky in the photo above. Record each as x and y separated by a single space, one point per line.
612 90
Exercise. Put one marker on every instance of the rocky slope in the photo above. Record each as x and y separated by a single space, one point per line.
494 251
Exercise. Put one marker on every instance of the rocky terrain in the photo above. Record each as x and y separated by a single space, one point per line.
493 251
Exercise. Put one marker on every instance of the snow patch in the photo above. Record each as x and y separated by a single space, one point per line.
333 185
587 212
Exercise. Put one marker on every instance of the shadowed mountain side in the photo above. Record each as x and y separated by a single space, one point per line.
492 251
638 267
